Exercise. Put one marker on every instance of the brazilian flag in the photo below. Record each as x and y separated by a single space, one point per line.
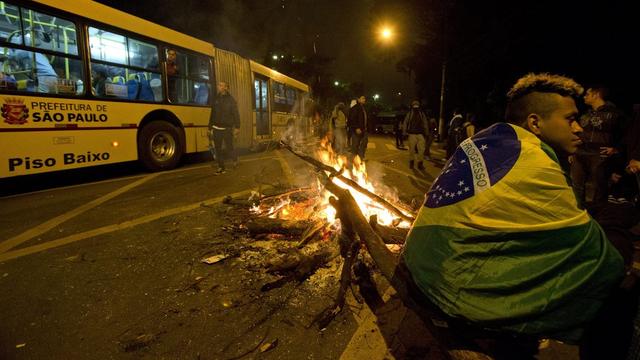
501 241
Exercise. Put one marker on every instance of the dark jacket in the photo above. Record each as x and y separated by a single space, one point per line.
358 118
603 127
416 123
225 112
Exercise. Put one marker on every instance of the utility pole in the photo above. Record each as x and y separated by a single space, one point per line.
441 132
441 118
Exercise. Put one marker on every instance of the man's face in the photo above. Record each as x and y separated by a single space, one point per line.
171 56
559 129
222 87
589 96
362 100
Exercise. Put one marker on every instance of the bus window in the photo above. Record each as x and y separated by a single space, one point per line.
9 23
143 55
123 67
188 78
284 97
50 64
56 34
107 46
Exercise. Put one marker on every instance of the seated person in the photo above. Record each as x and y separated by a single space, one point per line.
8 82
98 79
44 73
500 242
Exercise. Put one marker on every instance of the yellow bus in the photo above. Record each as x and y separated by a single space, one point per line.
83 84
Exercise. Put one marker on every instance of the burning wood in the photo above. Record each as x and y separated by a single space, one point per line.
338 171
295 210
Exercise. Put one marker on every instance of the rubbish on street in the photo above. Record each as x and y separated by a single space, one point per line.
214 259
268 345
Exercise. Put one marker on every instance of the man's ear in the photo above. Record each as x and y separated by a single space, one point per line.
533 123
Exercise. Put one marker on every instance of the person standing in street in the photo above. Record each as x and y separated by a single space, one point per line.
432 130
455 125
339 124
602 138
416 126
224 125
397 129
358 124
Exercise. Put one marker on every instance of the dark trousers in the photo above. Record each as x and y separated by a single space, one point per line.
399 137
594 167
224 136
359 144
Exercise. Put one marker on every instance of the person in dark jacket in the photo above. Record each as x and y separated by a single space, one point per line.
224 125
358 124
626 167
416 126
602 138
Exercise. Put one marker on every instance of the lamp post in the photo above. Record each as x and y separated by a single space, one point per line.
386 34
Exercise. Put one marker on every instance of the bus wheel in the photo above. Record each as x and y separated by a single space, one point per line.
159 146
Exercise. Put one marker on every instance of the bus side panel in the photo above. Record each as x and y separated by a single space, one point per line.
202 139
32 152
195 121
235 70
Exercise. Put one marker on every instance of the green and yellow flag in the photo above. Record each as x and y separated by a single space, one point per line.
500 240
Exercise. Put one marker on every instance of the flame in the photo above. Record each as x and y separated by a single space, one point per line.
320 208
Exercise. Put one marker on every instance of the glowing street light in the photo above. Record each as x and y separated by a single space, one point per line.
336 83
386 33
275 57
376 97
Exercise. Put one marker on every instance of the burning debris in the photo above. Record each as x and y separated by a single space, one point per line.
308 218
353 178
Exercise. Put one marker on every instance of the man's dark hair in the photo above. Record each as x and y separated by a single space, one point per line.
603 91
530 94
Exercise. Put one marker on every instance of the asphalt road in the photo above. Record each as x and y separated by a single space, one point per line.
106 264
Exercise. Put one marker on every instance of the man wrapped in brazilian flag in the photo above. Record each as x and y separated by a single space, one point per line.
501 241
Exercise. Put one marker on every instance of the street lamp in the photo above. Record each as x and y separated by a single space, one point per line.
376 97
386 33
336 83
275 57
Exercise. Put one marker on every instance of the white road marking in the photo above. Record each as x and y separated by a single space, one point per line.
371 145
130 177
114 227
391 147
367 341
50 224
423 181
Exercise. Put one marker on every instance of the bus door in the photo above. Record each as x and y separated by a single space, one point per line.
261 96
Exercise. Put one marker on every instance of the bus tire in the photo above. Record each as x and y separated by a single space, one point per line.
159 146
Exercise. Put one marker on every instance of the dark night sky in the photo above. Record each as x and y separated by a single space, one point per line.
489 43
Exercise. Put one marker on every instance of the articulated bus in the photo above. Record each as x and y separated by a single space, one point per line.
83 84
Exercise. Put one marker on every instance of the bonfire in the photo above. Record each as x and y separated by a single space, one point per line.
313 215
353 178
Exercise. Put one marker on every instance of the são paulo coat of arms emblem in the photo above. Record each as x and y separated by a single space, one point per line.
15 112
